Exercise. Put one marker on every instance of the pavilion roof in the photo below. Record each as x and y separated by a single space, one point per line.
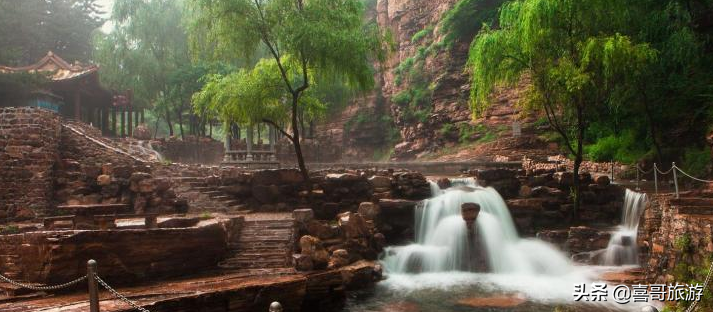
58 68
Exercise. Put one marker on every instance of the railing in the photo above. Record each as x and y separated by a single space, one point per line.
93 283
675 170
252 156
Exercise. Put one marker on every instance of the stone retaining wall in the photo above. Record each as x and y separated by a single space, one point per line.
190 151
123 256
675 239
29 139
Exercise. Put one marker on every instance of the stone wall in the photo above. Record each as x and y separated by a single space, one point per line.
191 151
676 240
540 200
94 172
29 139
123 255
334 191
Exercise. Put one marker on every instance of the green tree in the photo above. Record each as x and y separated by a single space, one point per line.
574 56
317 38
30 28
147 52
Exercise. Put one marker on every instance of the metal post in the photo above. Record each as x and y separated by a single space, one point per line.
675 179
656 179
93 287
612 171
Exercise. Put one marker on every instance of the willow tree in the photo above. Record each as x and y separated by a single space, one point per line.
324 38
145 51
574 56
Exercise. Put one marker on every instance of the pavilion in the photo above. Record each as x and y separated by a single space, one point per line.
74 92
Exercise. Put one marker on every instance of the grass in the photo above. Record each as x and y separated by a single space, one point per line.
10 229
423 33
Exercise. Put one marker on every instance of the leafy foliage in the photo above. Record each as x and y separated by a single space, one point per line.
307 41
30 28
466 17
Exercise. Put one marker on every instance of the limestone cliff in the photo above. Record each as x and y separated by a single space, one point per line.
420 103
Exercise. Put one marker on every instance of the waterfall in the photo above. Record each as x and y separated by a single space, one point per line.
443 243
622 248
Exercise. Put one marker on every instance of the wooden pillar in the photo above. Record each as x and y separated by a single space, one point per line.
77 106
105 120
113 121
130 115
123 122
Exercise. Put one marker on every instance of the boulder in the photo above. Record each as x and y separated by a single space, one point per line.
104 180
444 183
339 258
319 230
303 262
342 177
352 225
544 191
602 180
313 247
146 186
369 210
380 182
303 215
470 212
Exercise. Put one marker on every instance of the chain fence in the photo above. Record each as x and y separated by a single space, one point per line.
106 286
42 287
692 307
119 296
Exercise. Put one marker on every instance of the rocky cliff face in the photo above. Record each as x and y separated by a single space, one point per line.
420 103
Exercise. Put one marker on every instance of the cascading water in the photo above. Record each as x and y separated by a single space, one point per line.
443 242
437 271
622 248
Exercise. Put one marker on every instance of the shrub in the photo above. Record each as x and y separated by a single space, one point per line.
696 161
417 37
402 98
620 148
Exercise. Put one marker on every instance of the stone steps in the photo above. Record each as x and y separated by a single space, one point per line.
692 201
262 244
695 210
693 205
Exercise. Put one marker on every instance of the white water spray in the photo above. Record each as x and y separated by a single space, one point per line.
622 248
443 243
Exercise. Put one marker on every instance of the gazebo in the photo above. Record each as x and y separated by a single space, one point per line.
74 91
249 153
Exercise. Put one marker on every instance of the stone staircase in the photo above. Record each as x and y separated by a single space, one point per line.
204 195
262 245
693 205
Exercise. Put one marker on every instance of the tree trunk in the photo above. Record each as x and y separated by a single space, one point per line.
578 157
296 140
168 121
180 121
